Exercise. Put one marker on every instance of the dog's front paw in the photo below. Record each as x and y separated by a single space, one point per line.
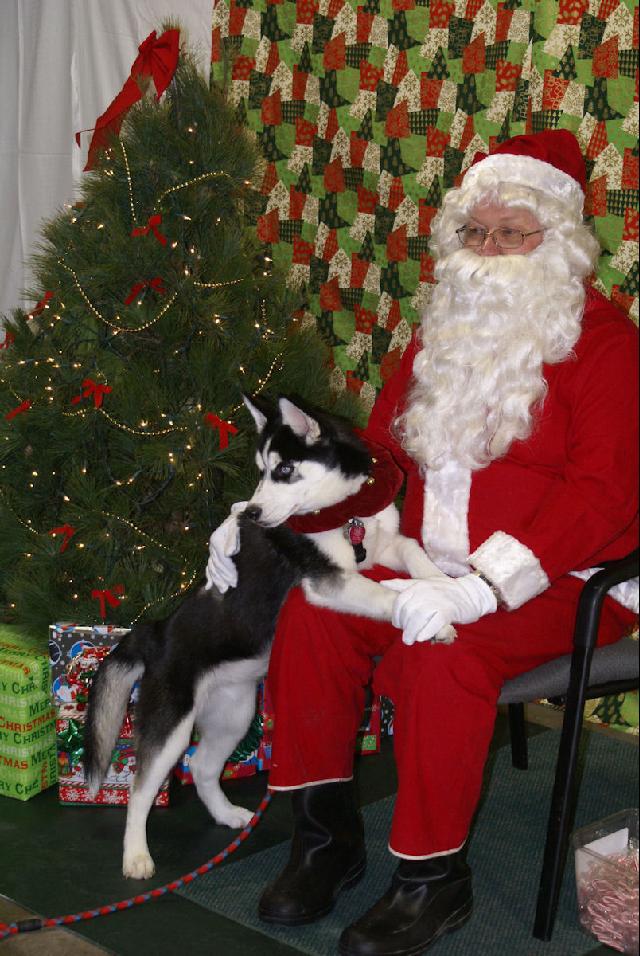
446 635
235 817
138 867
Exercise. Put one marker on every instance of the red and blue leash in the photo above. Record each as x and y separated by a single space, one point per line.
33 923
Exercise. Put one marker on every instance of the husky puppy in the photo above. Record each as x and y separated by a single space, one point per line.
201 665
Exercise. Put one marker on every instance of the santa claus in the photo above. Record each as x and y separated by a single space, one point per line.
514 418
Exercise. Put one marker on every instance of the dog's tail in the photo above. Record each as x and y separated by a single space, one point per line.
108 698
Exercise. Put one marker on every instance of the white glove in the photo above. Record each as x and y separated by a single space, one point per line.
422 608
223 544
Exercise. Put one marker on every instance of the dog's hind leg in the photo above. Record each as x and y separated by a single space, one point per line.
223 721
153 764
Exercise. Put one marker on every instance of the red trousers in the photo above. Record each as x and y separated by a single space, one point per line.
445 699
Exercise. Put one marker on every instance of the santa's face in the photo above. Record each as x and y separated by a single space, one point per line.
496 315
489 222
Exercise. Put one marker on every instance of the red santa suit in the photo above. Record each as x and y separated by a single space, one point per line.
560 502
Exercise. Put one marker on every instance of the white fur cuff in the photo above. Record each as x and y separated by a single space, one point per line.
512 567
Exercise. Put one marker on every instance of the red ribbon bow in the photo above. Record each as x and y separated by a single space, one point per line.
157 58
9 338
92 388
225 428
40 306
110 597
23 407
67 530
139 286
152 226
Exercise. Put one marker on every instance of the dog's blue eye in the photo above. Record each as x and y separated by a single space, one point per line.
283 470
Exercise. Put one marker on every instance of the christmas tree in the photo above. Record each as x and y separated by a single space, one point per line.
123 436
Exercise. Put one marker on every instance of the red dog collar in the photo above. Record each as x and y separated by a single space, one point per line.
378 491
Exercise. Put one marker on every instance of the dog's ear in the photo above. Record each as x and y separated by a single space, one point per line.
300 423
260 415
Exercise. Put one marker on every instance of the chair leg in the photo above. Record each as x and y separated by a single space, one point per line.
518 734
563 799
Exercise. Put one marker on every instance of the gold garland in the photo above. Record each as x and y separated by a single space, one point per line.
190 182
143 534
217 285
262 382
170 597
112 325
135 431
134 218
10 389
15 514
158 433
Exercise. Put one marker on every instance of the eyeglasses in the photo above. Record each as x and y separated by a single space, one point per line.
504 238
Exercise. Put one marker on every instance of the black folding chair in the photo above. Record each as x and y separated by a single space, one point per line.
586 673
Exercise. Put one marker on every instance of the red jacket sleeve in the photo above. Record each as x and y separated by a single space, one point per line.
584 511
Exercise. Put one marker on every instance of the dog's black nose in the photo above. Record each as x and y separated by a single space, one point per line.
253 512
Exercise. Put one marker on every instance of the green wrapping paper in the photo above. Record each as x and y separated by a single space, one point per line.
28 762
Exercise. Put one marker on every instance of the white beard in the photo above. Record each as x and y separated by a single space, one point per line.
491 324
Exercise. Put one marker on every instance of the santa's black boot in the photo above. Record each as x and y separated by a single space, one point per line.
426 899
327 855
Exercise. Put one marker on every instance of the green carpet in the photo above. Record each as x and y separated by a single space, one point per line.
505 856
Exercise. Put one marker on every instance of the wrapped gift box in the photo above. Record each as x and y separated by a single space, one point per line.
75 654
368 740
27 718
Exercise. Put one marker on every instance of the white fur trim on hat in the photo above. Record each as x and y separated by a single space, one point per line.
524 171
511 567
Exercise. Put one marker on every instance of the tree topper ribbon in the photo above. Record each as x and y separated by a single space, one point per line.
65 529
152 226
224 428
157 58
136 289
23 407
108 596
92 388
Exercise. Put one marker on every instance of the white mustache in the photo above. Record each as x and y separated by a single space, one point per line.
466 266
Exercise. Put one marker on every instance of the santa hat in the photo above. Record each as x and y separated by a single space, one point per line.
549 161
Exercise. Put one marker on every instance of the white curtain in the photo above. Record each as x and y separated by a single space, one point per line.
61 64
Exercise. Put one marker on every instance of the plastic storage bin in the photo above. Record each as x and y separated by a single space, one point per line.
606 859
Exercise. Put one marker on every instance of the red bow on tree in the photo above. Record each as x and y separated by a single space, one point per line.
139 286
65 529
89 387
110 597
23 407
224 428
9 338
157 58
152 226
37 309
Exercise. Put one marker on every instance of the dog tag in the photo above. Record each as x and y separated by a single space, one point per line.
355 532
